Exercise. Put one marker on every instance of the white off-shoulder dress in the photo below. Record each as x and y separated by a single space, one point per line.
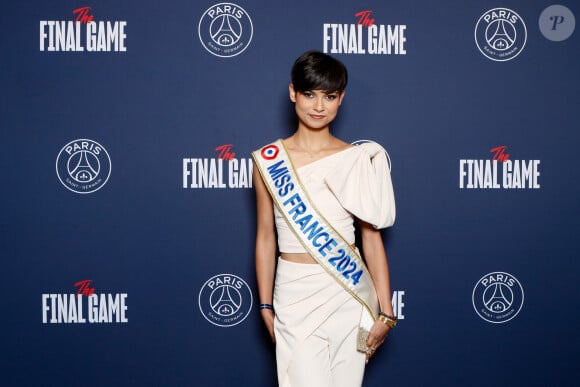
316 319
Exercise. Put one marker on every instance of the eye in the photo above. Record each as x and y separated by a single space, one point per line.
308 94
331 97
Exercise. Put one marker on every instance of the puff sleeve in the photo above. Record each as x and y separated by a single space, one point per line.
362 184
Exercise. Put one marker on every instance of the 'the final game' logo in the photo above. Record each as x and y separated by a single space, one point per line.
84 306
499 172
223 171
364 37
83 33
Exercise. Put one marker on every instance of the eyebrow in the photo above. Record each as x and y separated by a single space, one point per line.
327 92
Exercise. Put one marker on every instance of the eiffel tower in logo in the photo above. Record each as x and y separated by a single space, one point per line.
226 35
500 38
498 302
83 171
225 304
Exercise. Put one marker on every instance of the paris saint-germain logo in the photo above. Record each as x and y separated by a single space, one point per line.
225 300
498 297
225 30
500 34
83 166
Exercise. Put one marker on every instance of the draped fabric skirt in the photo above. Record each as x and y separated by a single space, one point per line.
316 328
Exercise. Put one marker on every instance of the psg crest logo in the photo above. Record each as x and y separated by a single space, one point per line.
225 30
500 34
83 166
225 300
498 297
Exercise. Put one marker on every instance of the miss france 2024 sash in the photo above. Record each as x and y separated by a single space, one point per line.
316 234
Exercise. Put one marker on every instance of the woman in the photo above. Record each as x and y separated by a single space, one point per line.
309 304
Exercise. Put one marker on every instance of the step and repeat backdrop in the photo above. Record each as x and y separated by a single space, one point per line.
128 213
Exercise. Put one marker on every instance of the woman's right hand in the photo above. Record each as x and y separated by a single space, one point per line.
268 317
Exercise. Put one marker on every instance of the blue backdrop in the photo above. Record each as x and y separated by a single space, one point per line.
127 212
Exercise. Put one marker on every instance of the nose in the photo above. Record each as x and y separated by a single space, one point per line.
319 104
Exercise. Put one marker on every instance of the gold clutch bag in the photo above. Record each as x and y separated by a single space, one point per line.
361 340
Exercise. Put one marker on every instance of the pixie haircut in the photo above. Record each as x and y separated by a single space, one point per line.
314 70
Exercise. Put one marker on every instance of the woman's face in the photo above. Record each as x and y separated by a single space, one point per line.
316 108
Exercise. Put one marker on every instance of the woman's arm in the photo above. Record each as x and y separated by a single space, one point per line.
376 260
265 249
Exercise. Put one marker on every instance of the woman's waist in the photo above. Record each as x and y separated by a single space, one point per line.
298 258
305 258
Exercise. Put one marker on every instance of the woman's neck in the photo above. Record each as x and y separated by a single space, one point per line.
312 140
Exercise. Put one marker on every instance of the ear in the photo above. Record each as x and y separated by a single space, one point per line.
341 97
292 93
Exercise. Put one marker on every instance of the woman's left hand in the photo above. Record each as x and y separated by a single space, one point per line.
376 338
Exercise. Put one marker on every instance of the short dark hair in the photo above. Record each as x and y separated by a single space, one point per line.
315 70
